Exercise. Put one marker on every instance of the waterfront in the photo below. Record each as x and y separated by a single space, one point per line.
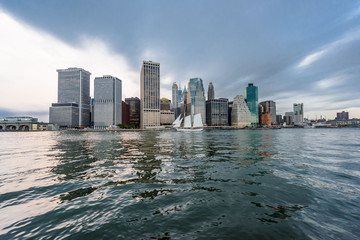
245 184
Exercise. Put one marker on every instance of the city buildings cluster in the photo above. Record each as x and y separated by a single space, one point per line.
75 108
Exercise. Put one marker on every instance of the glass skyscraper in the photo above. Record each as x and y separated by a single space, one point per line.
107 103
298 112
150 94
73 106
196 97
251 96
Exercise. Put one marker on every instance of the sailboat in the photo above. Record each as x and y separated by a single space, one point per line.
195 127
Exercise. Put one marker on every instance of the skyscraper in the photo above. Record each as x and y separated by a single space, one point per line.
134 110
342 115
251 96
211 92
240 114
298 112
217 112
107 101
73 106
150 94
267 113
196 97
175 96
179 97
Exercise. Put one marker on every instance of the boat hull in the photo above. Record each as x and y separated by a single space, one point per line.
189 129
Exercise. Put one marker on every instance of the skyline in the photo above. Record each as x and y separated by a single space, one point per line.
302 52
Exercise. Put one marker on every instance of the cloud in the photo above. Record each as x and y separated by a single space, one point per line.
30 58
311 58
330 82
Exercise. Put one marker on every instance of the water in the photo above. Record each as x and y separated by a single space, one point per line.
247 184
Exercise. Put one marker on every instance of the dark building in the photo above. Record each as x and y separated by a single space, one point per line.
342 116
230 105
125 113
217 112
134 110
267 113
165 104
211 92
279 119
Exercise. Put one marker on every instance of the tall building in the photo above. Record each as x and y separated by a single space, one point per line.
240 114
251 96
267 113
211 92
175 96
185 106
73 106
289 118
279 119
298 112
150 94
107 101
134 110
125 118
342 115
196 97
179 97
217 112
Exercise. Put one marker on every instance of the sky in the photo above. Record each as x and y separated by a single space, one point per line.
294 51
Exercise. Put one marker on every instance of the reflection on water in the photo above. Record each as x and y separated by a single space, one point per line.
163 185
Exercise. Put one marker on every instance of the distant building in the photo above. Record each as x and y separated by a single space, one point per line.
179 97
211 91
289 118
298 112
175 96
185 106
217 112
279 119
150 94
251 96
267 113
107 101
230 105
196 98
240 116
134 110
165 104
342 116
167 117
73 107
125 113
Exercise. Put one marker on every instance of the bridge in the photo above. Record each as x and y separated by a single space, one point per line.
17 123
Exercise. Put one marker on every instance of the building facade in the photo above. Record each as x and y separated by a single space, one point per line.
175 96
107 101
217 112
251 96
211 91
267 113
165 104
134 110
196 98
342 115
125 119
73 106
289 118
150 94
167 117
279 119
240 114
298 112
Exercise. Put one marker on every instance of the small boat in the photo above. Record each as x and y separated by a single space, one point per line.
188 127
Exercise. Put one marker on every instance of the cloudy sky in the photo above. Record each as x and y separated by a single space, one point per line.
294 51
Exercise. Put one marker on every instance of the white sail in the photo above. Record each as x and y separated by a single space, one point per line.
197 121
187 122
177 122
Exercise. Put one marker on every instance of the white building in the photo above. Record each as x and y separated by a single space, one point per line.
107 101
150 95
240 115
175 96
